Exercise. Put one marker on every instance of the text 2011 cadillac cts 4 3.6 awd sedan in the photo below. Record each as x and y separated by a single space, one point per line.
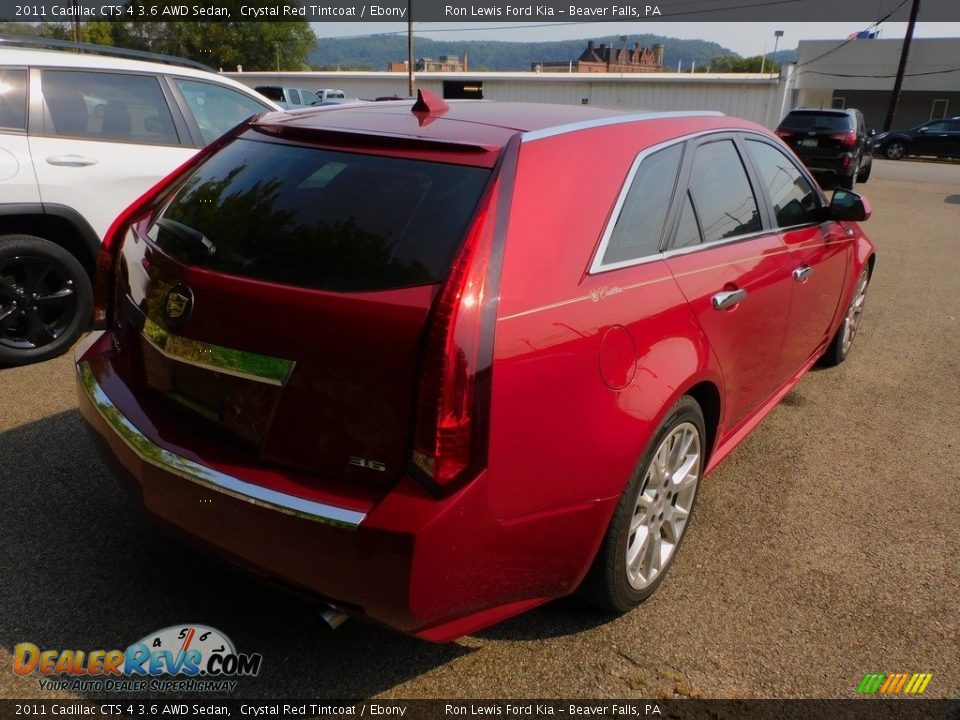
436 365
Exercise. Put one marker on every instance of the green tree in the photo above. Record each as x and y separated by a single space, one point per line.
99 33
56 31
737 64
222 44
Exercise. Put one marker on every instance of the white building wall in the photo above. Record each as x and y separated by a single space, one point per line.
752 96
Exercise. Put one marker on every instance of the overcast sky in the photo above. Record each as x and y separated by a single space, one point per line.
744 38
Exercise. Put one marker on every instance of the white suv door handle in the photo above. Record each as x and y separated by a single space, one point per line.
71 160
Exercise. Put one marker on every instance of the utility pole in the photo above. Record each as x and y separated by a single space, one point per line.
901 69
410 48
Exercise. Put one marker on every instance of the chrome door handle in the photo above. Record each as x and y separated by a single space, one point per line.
802 273
728 298
71 160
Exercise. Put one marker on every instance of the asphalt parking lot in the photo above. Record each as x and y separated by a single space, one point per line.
824 548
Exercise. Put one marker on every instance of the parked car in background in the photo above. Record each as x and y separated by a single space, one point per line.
938 138
288 98
835 145
329 95
81 136
388 355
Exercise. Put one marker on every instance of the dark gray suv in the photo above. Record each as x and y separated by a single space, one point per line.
835 145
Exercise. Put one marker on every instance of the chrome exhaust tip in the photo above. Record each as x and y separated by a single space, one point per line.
332 616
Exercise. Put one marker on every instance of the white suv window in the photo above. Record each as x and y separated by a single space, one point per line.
107 106
217 109
13 99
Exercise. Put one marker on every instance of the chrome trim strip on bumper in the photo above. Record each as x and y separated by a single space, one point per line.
150 452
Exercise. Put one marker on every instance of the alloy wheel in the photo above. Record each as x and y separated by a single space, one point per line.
37 302
895 150
854 312
663 506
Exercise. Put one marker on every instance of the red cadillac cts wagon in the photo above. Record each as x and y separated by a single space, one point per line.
437 364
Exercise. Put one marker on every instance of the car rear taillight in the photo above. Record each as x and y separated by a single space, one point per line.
453 404
150 200
784 134
847 139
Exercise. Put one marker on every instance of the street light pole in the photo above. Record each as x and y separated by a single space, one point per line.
777 34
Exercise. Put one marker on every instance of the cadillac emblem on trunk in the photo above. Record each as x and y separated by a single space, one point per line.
179 303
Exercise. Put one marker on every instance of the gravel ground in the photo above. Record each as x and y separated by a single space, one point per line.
825 547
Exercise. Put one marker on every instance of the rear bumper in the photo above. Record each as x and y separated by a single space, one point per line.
435 568
832 166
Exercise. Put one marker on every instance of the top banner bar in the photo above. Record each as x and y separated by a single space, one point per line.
862 12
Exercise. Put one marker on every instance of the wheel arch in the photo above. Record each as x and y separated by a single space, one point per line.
59 224
707 396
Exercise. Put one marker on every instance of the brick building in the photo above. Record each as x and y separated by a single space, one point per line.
608 59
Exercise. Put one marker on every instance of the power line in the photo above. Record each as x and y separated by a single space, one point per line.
881 77
850 40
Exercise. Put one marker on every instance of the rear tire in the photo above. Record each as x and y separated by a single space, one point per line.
895 150
847 182
46 299
651 519
864 174
840 346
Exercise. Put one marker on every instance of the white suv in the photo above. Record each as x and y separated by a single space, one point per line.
81 137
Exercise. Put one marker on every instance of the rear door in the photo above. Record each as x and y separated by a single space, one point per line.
732 272
101 139
818 252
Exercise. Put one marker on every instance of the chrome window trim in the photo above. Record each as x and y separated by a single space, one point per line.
535 135
798 166
151 453
596 264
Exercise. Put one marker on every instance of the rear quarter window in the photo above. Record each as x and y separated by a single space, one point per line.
639 227
13 99
321 219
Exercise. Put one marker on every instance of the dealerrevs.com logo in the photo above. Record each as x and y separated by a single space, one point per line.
187 657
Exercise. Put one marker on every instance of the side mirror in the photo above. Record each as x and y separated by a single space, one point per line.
847 205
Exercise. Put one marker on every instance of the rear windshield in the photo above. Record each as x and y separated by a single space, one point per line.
321 219
271 93
814 120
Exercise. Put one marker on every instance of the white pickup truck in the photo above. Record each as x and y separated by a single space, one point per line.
328 95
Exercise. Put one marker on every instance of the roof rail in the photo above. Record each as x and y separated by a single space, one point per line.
27 41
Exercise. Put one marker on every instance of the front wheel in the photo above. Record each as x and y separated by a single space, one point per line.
840 346
45 299
652 515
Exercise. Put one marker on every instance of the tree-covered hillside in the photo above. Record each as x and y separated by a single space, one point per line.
375 53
